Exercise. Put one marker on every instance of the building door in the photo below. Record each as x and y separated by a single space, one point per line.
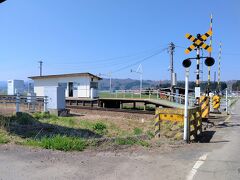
70 89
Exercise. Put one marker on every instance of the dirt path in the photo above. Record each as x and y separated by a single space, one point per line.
18 162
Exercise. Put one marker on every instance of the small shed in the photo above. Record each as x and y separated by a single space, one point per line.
78 85
15 86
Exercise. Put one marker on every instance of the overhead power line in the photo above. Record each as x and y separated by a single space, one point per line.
140 61
112 59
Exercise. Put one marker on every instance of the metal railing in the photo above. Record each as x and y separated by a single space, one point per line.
18 103
148 94
226 103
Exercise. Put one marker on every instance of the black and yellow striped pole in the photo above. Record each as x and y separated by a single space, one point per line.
157 125
198 68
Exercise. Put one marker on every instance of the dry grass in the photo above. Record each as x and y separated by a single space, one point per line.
49 131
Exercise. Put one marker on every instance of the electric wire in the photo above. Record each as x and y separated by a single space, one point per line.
140 61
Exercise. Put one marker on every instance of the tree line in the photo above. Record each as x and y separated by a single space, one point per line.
203 85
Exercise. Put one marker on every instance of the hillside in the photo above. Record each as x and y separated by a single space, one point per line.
118 84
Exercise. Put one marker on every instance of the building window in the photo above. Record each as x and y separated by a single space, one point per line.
94 85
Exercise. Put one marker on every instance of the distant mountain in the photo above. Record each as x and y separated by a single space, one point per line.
121 84
3 87
127 84
3 84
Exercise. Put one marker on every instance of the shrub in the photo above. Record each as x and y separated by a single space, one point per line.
137 131
23 118
100 128
3 139
4 121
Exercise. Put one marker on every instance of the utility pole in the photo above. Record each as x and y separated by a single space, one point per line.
172 74
40 67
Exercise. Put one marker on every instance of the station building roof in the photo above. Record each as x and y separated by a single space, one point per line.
65 75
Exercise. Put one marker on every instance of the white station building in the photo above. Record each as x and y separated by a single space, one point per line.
77 85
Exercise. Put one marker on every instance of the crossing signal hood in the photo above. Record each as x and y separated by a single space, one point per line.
186 63
209 61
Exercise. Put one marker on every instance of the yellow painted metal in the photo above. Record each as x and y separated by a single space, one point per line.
171 117
157 126
216 102
199 42
205 106
177 115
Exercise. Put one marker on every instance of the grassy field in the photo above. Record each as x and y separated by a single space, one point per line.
127 95
77 133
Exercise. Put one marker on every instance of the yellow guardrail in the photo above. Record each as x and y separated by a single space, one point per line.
177 115
216 102
204 103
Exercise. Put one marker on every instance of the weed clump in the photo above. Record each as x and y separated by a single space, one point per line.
100 128
23 119
150 134
43 115
137 131
3 138
4 121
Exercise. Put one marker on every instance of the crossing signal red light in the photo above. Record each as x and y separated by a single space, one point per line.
186 63
209 61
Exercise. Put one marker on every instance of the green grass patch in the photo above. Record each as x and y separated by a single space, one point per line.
150 134
97 127
100 128
43 115
137 131
61 121
127 95
3 138
59 142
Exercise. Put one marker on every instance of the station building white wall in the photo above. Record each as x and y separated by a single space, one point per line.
81 85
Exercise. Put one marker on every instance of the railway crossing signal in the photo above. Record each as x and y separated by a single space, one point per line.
199 41
209 61
186 63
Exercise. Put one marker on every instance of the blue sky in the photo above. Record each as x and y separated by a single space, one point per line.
102 36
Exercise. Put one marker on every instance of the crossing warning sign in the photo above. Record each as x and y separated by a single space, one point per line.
199 41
